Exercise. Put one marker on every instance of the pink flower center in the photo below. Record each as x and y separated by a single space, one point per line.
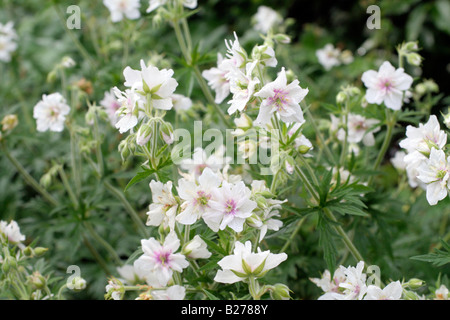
230 207
279 99
202 199
386 84
163 257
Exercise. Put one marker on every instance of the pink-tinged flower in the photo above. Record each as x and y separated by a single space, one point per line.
111 105
282 98
354 287
424 138
128 113
359 129
50 113
123 8
175 292
164 206
244 263
435 173
201 160
328 56
159 84
217 79
229 206
242 86
11 231
160 260
330 286
387 85
393 291
195 196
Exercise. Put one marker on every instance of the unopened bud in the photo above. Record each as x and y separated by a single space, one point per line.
447 118
37 280
303 149
280 292
415 283
341 97
144 134
167 132
409 295
254 221
411 46
282 38
9 122
28 251
77 284
414 59
39 251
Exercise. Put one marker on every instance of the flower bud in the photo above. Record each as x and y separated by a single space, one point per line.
37 280
341 97
409 295
46 180
254 221
414 59
282 38
39 251
28 251
411 46
415 283
67 62
167 132
421 89
447 118
244 121
51 76
144 134
280 292
196 249
304 149
9 122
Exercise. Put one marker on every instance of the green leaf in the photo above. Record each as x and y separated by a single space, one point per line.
139 177
210 295
214 246
438 257
326 241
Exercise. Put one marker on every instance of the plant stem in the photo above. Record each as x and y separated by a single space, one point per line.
390 123
103 242
128 207
293 234
28 178
318 133
69 190
96 256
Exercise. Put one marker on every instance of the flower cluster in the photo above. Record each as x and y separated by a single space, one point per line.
425 159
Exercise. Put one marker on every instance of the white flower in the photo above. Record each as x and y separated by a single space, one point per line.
196 196
242 86
354 286
358 130
217 79
181 102
128 113
244 263
111 105
328 56
329 286
424 138
164 206
398 161
265 56
266 18
154 4
12 232
393 291
160 260
150 80
121 8
196 249
441 293
50 113
387 85
114 289
282 98
229 206
174 292
201 160
130 274
435 172
8 39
